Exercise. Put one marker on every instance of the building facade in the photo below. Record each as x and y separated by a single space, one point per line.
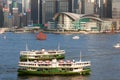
116 9
86 6
72 21
35 7
1 17
46 9
101 7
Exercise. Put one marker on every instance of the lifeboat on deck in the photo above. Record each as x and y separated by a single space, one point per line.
41 36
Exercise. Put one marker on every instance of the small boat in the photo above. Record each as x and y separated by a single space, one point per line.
4 37
117 45
54 67
41 36
75 37
2 31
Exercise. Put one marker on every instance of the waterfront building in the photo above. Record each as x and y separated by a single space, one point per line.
106 26
84 22
72 21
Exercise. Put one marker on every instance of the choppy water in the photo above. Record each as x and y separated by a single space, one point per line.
98 48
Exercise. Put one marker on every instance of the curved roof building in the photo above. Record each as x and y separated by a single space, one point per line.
72 21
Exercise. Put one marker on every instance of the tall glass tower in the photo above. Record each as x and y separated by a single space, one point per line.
86 6
104 8
46 9
1 17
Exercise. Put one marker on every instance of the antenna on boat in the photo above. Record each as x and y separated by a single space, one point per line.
58 46
80 56
27 50
26 47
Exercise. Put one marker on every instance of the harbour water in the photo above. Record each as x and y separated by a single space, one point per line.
98 48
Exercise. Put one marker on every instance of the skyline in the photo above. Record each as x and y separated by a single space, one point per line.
45 11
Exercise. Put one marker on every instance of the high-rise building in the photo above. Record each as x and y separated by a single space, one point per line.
49 8
15 13
116 9
1 16
26 6
86 6
108 9
34 11
43 11
102 7
26 12
105 8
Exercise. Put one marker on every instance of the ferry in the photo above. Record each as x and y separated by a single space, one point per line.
54 67
42 54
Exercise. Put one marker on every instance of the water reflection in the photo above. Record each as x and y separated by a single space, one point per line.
54 78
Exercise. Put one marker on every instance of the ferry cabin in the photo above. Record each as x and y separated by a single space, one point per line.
61 65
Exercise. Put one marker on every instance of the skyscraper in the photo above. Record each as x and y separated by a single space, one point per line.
86 6
104 8
25 6
26 12
116 9
34 11
1 16
46 9
108 9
